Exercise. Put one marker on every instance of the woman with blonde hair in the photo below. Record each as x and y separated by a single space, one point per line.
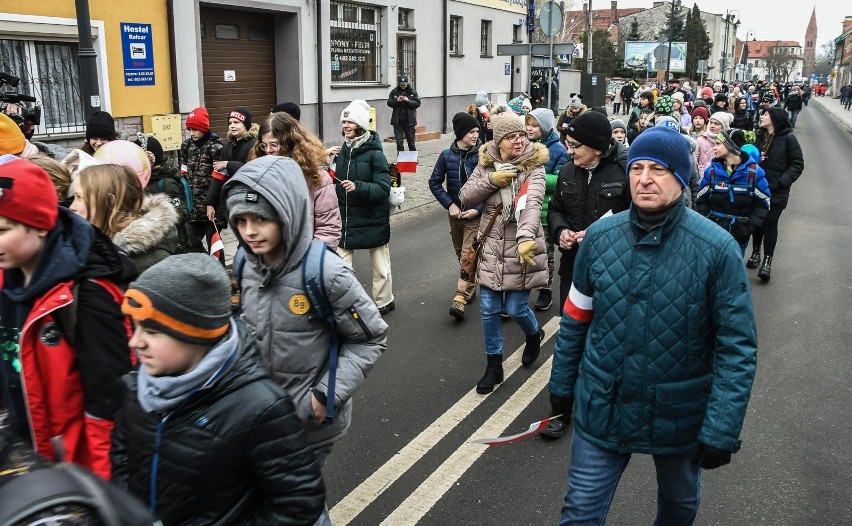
280 134
60 176
112 199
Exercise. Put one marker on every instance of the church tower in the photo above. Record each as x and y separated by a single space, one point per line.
810 46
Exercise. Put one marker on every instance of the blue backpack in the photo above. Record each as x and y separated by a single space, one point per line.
314 285
185 188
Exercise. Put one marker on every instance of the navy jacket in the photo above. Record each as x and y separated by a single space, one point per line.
454 166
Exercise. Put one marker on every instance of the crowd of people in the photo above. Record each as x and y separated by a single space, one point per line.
199 389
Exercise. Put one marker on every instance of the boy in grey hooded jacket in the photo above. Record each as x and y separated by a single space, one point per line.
276 306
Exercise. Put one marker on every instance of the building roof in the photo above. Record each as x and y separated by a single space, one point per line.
760 48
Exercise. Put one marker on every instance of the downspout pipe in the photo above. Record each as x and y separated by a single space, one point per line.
88 60
170 14
320 66
444 88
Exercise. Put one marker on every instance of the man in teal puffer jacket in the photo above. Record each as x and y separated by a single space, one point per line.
657 345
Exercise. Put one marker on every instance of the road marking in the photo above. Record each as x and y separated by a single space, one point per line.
433 488
368 491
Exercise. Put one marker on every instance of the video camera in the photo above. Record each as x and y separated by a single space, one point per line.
28 116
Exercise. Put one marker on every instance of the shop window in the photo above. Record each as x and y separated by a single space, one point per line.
355 43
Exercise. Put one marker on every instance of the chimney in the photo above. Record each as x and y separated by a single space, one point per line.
657 4
614 14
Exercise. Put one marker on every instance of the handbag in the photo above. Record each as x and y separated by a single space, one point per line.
470 260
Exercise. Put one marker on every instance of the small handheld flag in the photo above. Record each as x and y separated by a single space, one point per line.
406 162
483 111
217 246
534 428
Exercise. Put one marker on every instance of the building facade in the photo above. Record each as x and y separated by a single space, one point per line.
774 60
222 54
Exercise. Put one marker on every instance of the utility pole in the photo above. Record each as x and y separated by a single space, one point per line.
589 42
88 61
671 36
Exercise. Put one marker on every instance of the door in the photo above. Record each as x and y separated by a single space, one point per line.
238 61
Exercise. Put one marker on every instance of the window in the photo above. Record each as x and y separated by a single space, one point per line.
455 35
517 33
260 34
406 18
227 32
48 71
355 43
485 39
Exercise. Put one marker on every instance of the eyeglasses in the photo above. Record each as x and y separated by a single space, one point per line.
573 145
516 137
273 146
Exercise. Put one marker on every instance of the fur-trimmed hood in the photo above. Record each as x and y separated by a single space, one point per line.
539 157
252 132
158 221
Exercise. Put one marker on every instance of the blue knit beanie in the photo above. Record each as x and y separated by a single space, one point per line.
665 146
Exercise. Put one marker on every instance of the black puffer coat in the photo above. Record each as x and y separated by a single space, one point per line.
580 200
781 159
233 454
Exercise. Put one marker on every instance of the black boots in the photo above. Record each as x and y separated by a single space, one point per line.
545 299
532 349
754 260
493 374
765 268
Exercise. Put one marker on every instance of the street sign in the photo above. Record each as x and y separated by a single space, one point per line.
531 17
538 50
550 19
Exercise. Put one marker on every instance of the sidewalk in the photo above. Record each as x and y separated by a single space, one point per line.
417 194
832 106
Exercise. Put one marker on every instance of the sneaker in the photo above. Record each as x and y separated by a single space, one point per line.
387 308
545 299
457 309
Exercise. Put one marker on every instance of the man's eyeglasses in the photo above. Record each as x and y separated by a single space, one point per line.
573 145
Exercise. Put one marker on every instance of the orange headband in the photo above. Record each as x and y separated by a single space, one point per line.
146 311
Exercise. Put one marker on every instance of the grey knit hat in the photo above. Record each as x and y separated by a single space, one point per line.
244 200
187 296
545 119
618 124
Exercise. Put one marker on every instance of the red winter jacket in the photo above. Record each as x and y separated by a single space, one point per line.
52 378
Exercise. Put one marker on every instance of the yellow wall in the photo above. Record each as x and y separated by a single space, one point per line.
125 100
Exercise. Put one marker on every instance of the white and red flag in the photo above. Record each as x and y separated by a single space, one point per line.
483 110
521 200
406 162
217 246
534 428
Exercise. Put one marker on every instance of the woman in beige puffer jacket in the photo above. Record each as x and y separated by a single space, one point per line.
509 180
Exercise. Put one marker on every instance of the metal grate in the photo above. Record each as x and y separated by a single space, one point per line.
48 71
406 49
355 34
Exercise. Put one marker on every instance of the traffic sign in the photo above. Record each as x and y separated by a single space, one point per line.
550 19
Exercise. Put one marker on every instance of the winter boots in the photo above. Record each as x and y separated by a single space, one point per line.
493 374
457 307
754 260
532 348
765 268
545 299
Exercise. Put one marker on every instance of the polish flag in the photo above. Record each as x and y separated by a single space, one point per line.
521 200
406 162
217 246
483 110
534 428
578 306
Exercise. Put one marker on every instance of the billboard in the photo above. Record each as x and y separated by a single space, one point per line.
652 56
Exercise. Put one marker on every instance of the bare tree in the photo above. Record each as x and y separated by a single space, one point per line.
779 63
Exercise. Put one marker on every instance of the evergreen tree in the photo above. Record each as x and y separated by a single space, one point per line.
606 59
697 41
634 35
674 25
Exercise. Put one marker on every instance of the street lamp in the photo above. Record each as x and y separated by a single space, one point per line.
731 16
745 52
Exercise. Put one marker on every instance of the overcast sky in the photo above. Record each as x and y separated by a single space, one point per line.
769 19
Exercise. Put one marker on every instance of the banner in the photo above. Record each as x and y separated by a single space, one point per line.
651 56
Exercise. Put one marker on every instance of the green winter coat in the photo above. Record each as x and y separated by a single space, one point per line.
658 342
364 213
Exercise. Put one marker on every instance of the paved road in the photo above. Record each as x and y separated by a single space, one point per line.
408 458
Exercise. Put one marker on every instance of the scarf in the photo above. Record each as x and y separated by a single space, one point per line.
509 192
160 394
357 141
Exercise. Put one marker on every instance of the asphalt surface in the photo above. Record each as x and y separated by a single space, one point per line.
398 466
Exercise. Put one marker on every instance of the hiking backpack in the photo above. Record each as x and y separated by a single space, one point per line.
314 284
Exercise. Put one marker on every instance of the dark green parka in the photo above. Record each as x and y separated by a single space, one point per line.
365 212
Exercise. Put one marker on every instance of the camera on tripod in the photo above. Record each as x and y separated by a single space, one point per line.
29 116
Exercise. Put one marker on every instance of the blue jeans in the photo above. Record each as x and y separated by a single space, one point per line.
793 115
517 306
594 474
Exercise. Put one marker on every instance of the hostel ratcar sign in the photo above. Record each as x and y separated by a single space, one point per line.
138 51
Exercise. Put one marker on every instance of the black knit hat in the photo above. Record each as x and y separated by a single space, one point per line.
243 115
187 296
720 97
290 108
101 124
591 129
463 122
150 144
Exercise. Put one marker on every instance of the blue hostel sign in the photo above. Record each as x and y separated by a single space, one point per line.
137 48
